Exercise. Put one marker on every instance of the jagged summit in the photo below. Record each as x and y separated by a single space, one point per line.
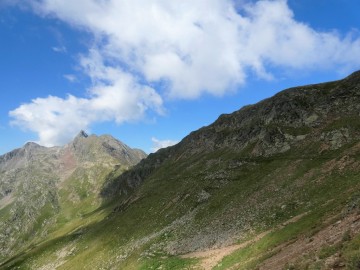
82 134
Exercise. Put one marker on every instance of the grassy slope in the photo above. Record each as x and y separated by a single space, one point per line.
282 186
219 197
73 205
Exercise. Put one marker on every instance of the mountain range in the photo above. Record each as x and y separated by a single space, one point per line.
274 185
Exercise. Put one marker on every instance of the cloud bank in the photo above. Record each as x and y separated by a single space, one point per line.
145 52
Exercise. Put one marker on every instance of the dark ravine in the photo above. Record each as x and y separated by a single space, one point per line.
286 169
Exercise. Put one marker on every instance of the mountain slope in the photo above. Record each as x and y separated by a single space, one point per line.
276 182
42 188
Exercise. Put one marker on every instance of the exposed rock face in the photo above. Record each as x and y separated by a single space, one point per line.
36 181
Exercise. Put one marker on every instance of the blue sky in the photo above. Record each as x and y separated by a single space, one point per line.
150 72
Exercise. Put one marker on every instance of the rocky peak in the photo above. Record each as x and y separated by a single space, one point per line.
93 148
82 134
31 145
80 141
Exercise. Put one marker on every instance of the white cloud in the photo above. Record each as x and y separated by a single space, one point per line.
203 46
70 77
192 47
61 49
57 120
158 144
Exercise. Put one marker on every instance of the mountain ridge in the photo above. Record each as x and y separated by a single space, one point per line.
249 130
276 184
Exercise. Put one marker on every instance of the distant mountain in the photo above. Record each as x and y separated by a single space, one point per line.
40 186
275 185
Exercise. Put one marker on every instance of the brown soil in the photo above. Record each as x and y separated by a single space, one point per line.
210 258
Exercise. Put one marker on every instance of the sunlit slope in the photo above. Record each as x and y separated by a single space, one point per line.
280 176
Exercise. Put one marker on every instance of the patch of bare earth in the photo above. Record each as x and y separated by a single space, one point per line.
210 258
67 164
6 201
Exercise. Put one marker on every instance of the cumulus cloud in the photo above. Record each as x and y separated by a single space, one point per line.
57 120
188 47
203 46
158 144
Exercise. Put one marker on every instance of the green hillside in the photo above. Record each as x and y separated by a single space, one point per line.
275 185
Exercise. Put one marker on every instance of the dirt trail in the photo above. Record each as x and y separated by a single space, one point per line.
6 201
210 258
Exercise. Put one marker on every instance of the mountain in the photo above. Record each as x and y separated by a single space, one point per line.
43 188
274 185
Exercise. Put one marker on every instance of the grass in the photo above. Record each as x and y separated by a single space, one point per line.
5 212
350 122
167 263
256 253
248 194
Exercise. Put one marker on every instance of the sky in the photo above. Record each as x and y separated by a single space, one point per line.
149 72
